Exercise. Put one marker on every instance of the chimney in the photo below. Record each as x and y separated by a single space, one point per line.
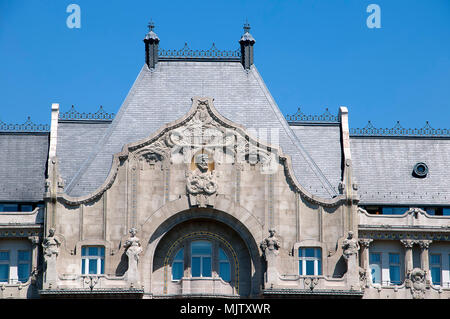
246 43
151 41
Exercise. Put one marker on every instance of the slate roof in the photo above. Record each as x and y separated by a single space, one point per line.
383 168
323 143
164 95
76 139
23 163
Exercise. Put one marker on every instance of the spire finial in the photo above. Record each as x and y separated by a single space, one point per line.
151 25
246 26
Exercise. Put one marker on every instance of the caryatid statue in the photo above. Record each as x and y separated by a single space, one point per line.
269 247
133 249
51 250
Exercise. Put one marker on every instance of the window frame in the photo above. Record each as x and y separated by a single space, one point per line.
202 257
398 268
303 259
380 264
24 262
433 265
100 266
6 262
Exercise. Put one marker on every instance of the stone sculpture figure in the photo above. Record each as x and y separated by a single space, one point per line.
201 182
417 277
350 246
350 249
51 250
270 248
133 249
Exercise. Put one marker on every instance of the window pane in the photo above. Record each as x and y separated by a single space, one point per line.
201 248
435 259
446 211
300 267
179 256
375 271
10 207
102 251
23 272
394 273
319 265
4 272
436 275
222 255
300 252
195 267
83 266
394 258
93 251
26 208
83 251
310 267
4 256
177 270
206 267
375 258
309 252
102 266
225 271
92 266
24 255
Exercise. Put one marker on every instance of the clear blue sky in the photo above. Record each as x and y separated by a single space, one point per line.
311 53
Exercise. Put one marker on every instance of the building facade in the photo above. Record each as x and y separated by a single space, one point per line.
200 187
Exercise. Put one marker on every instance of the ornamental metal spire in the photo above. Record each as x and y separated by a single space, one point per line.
247 41
151 41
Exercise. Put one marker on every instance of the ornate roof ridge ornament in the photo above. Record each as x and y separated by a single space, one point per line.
28 126
399 131
74 115
187 52
300 117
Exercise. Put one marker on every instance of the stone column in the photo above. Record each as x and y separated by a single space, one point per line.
34 257
408 243
424 259
364 244
364 262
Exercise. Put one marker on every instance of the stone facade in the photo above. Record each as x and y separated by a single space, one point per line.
202 207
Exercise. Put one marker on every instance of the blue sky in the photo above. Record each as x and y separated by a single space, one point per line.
313 54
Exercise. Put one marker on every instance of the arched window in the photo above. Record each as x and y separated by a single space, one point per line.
201 252
224 266
178 265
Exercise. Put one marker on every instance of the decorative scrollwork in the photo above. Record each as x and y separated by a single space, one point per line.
73 114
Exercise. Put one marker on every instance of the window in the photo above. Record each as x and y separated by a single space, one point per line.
224 266
394 268
4 266
201 259
19 207
394 210
92 260
23 265
375 267
310 261
178 265
435 268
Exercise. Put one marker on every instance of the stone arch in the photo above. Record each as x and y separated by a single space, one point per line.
225 211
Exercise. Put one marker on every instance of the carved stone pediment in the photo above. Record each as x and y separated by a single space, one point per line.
203 130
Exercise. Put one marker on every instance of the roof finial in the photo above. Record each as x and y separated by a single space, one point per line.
151 25
246 26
